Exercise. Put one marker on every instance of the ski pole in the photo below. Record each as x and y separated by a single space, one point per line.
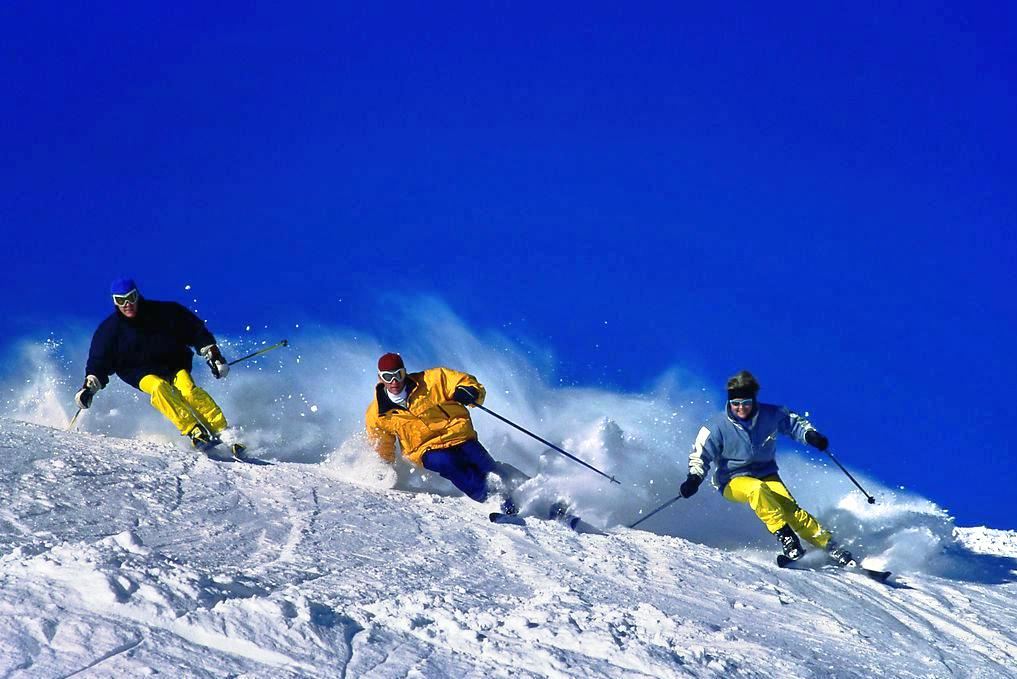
284 343
73 420
663 506
871 499
546 443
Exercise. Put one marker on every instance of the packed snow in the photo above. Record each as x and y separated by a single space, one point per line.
125 553
122 557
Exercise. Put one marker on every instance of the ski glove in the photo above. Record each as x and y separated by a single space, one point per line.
690 486
816 440
216 363
465 395
84 396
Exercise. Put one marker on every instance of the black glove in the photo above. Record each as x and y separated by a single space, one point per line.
816 440
690 486
465 395
84 396
216 363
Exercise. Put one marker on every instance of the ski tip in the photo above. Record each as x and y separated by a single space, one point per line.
881 576
584 528
502 517
255 461
784 561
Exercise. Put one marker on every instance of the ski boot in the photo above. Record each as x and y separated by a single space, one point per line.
559 511
789 542
202 440
838 553
509 506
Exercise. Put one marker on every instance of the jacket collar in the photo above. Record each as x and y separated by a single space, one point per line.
385 404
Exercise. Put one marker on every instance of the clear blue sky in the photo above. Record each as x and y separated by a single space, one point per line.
825 197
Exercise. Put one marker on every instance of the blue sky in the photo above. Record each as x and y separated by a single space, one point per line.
824 197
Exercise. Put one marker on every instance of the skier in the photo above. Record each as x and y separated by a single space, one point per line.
742 442
148 345
426 412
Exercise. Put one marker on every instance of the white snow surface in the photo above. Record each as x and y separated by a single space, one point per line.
126 557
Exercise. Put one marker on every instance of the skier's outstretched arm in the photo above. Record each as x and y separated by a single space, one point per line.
801 430
703 451
461 387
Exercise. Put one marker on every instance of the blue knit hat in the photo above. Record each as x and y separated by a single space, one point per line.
121 286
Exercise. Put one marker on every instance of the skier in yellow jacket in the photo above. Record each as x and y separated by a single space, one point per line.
426 412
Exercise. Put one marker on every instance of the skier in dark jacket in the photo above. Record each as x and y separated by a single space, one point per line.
148 345
742 443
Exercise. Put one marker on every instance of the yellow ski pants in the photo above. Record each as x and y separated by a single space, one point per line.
183 403
772 502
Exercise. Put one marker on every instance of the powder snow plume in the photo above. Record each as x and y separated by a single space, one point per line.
305 403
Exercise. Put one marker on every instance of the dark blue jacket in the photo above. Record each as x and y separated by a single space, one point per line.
744 448
157 341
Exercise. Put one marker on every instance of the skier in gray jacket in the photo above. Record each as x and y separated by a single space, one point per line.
742 443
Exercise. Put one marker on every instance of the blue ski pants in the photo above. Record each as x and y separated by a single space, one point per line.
466 466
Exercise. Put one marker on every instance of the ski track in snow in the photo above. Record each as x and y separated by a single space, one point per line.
128 558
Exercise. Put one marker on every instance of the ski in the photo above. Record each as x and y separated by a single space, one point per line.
580 526
568 520
879 576
511 519
247 459
239 460
238 453
560 512
786 562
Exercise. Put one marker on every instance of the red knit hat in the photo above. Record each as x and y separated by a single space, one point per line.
390 362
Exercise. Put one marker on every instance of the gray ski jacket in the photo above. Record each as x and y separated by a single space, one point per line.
744 450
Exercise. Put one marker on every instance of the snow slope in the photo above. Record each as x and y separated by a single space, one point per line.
121 557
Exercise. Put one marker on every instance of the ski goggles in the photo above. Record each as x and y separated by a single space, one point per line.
123 300
389 376
737 402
